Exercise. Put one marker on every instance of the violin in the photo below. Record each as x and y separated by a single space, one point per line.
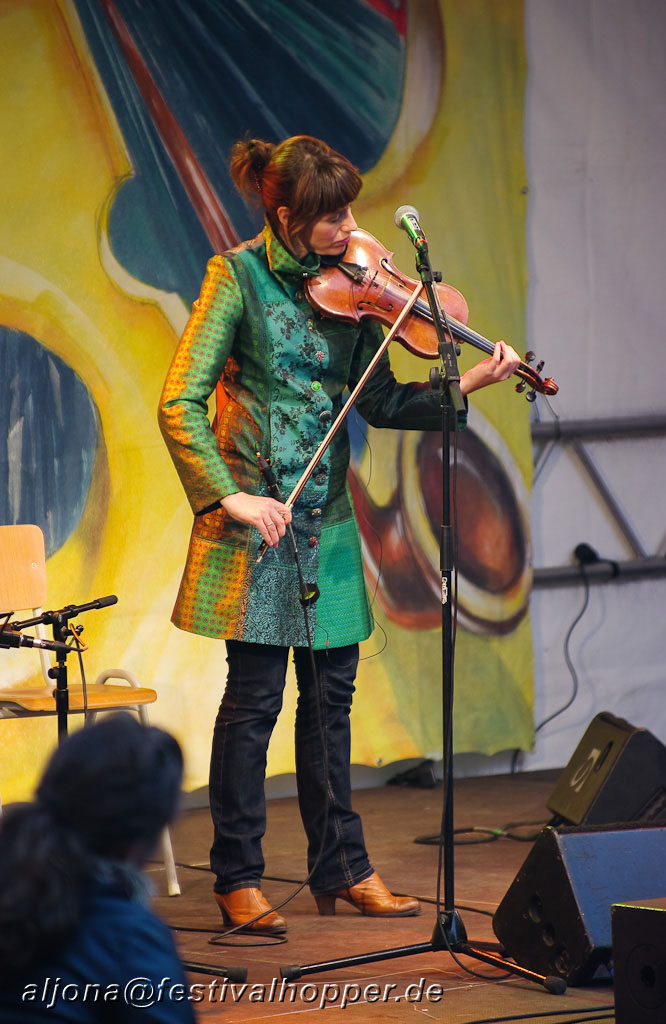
367 283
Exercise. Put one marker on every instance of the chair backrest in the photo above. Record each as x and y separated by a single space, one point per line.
22 568
23 577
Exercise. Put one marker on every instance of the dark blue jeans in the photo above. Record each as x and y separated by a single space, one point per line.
248 712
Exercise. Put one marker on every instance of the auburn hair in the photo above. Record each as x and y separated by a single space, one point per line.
302 173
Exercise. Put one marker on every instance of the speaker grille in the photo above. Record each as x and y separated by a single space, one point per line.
556 916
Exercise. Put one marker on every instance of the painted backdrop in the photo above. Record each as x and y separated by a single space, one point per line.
119 117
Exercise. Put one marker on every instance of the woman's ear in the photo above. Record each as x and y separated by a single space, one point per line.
283 217
293 243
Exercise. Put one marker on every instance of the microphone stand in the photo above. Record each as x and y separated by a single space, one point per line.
58 621
449 932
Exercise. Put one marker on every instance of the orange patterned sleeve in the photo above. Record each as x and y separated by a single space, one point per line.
197 365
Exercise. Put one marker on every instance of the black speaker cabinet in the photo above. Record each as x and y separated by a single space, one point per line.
556 915
617 773
639 961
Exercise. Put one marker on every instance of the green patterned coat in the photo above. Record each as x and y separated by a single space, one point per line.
280 371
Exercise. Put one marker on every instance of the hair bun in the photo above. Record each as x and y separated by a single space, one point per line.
249 158
260 153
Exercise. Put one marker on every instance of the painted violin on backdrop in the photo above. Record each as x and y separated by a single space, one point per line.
367 283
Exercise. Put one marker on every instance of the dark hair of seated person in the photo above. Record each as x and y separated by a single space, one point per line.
105 796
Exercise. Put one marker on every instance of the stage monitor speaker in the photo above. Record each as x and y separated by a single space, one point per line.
617 773
639 961
556 915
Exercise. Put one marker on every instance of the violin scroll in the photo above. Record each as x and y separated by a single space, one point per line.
531 377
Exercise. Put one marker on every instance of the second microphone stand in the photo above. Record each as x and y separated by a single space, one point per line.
449 931
58 621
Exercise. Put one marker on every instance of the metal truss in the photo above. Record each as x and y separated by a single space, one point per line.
576 434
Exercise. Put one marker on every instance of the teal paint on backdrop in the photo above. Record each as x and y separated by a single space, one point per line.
49 431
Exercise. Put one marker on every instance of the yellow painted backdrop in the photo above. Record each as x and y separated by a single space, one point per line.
456 154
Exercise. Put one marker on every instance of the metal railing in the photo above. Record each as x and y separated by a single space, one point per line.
575 433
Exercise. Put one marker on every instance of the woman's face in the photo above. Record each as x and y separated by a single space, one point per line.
326 236
329 235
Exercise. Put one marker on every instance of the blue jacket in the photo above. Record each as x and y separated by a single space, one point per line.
90 979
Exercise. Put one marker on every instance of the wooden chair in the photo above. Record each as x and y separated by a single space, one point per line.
23 587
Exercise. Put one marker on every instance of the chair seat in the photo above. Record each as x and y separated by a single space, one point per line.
40 699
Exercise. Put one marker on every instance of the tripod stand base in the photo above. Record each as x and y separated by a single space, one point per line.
449 931
448 935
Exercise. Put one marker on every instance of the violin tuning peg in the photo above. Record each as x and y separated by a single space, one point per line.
539 366
531 396
530 356
520 387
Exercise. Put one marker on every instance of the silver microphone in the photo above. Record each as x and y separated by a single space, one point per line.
9 638
407 218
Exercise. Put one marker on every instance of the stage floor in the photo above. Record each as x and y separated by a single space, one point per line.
429 983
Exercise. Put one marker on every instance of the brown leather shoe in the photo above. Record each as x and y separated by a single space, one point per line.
242 905
371 898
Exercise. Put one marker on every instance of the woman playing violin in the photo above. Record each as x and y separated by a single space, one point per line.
280 371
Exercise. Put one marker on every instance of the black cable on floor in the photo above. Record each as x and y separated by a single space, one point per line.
483 834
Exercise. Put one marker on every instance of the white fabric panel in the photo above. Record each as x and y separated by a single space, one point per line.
595 137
